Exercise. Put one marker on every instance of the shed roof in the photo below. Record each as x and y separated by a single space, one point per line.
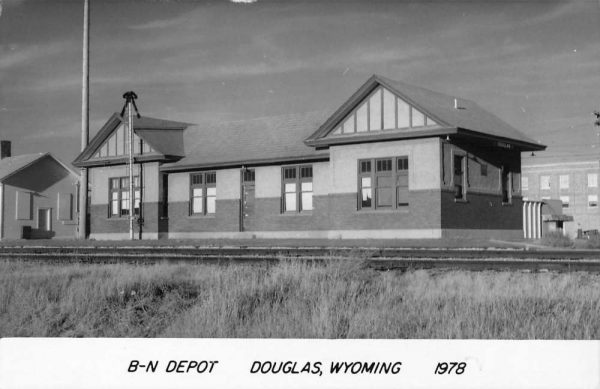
12 165
243 142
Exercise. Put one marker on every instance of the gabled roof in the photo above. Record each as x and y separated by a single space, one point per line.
261 140
157 131
468 119
13 165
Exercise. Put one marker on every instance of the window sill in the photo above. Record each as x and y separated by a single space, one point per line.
302 213
382 211
210 216
463 201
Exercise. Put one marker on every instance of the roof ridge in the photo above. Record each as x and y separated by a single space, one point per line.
257 118
453 96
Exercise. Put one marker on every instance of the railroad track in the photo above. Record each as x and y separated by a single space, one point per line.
377 258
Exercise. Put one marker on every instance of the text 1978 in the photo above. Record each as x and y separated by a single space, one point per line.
450 367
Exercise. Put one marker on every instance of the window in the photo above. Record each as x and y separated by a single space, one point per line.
563 181
525 183
383 183
565 201
248 176
297 188
592 201
592 179
65 206
545 182
203 193
24 206
484 169
119 196
366 185
460 190
402 181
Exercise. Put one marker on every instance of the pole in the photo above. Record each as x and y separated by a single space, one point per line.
131 193
83 183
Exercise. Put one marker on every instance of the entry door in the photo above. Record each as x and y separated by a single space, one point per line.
247 206
44 219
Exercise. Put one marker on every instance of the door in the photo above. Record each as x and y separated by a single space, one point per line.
247 200
44 219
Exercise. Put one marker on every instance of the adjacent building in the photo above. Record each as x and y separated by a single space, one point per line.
573 181
37 196
393 161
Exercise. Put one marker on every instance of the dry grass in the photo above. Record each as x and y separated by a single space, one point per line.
342 299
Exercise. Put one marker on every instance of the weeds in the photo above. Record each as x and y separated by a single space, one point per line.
337 299
557 239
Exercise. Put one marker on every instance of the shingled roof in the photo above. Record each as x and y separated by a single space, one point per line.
468 118
245 142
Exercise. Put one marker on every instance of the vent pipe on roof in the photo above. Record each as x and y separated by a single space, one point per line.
5 149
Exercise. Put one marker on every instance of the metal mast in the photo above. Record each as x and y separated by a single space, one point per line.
83 183
130 106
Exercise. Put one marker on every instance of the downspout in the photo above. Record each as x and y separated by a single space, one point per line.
1 210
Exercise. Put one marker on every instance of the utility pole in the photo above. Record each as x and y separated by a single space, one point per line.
83 183
130 106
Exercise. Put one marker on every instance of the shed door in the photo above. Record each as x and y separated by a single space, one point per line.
44 219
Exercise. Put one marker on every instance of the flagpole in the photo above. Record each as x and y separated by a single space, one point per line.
83 183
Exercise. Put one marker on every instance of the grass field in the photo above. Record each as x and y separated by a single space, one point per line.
342 299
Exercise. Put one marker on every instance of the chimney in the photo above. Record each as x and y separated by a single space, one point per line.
4 149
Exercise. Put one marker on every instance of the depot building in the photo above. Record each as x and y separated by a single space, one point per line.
393 161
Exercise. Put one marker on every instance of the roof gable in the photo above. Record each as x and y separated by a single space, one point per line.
451 114
156 138
117 144
381 110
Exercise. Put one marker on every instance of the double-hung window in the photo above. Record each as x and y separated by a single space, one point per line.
119 196
460 168
383 183
203 193
297 188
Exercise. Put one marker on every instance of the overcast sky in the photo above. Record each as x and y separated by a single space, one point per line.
535 64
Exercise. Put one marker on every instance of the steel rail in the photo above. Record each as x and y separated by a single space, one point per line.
377 258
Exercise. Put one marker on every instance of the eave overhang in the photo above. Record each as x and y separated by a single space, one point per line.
501 141
124 160
246 163
380 136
